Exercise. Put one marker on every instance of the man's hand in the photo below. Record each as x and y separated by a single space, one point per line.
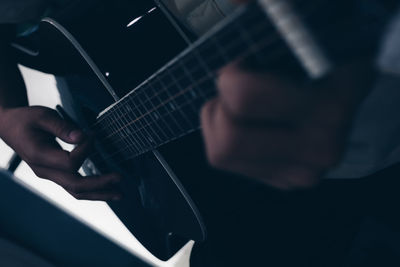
31 132
284 135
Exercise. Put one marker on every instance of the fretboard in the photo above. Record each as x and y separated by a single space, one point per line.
167 105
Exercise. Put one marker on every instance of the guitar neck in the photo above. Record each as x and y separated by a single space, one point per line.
166 106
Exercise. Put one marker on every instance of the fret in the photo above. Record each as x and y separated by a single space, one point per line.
155 134
129 129
169 107
181 98
209 91
133 138
122 125
156 90
191 95
189 109
137 103
182 84
154 137
197 71
139 98
111 123
113 144
129 126
154 100
168 80
208 73
146 138
210 56
191 112
138 123
163 125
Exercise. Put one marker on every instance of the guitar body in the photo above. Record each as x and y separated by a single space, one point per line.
156 208
171 194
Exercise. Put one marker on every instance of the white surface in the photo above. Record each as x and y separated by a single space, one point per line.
42 91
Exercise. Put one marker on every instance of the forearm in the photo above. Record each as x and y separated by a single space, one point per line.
12 86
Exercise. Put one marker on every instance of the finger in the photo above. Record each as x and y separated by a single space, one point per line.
225 138
101 196
228 140
68 132
73 182
259 95
80 153
49 154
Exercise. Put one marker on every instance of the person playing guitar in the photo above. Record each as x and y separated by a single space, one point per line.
261 126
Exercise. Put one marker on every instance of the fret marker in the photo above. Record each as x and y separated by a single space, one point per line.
151 10
134 21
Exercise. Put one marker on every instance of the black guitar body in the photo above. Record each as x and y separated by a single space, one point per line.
171 194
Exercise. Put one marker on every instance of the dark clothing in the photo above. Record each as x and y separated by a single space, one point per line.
339 223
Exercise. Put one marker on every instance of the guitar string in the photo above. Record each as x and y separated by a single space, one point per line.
160 91
154 122
138 91
305 10
154 108
122 115
136 153
147 147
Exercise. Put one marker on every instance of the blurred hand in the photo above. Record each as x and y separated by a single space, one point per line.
269 128
31 132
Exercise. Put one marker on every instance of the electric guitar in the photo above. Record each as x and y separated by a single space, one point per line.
147 77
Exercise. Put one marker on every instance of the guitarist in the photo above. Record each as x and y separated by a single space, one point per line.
260 126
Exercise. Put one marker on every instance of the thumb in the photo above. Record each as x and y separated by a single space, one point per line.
51 122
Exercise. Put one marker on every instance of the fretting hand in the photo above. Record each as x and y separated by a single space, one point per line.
265 127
